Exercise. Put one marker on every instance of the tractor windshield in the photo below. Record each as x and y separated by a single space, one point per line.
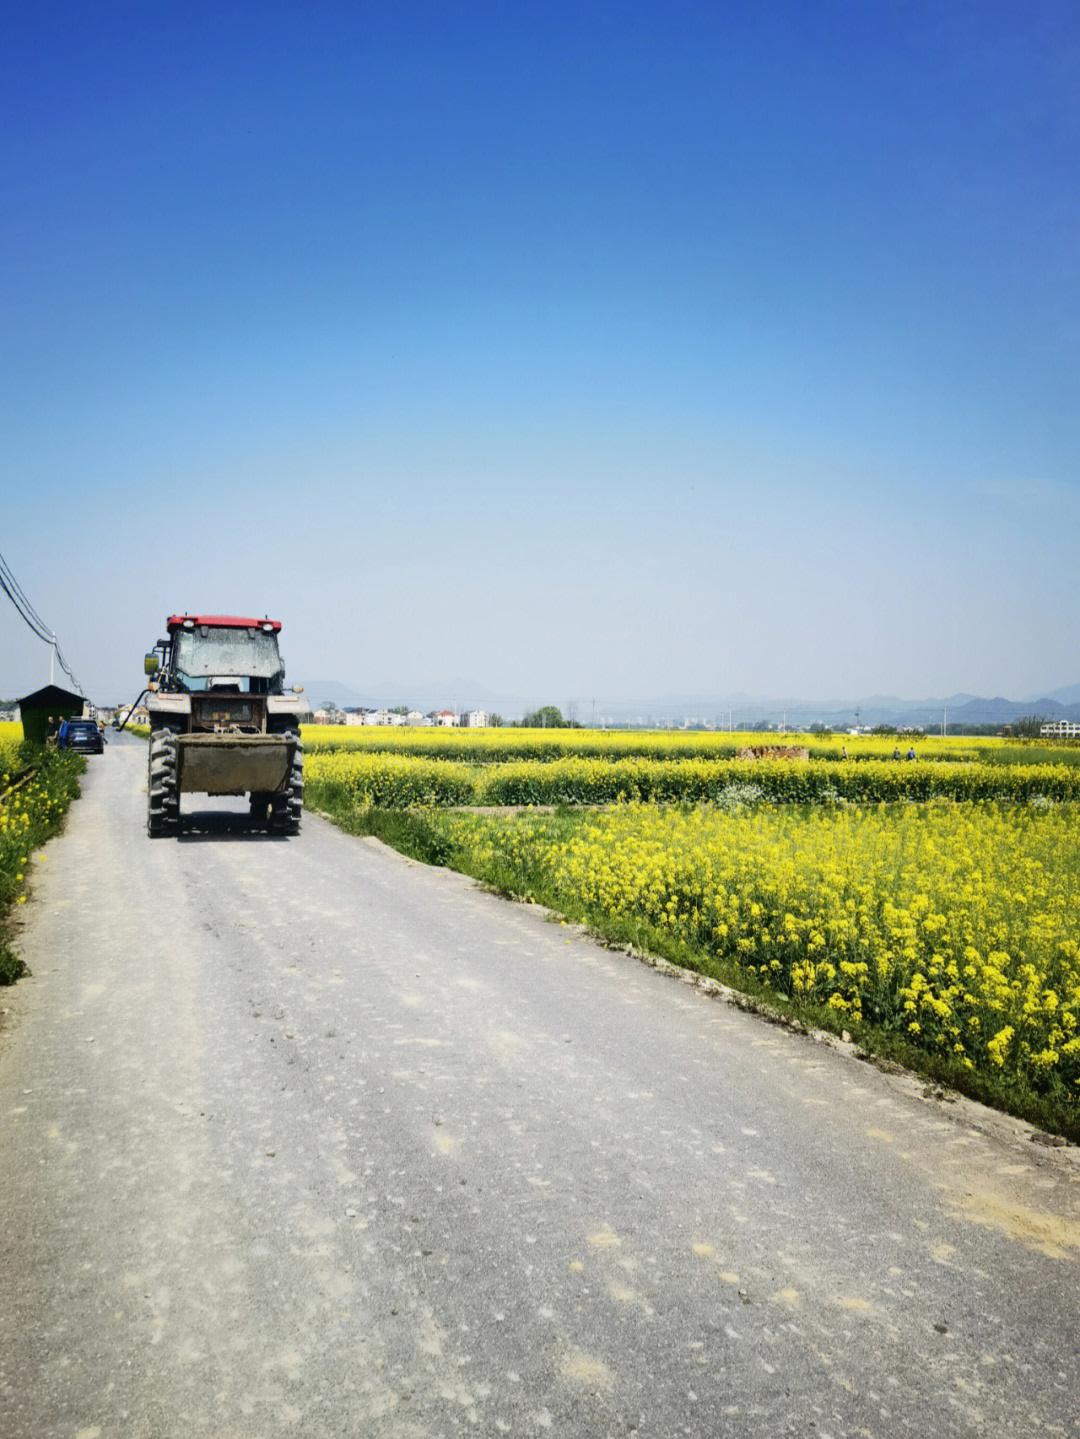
226 655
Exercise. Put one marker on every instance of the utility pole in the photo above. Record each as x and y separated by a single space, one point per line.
52 660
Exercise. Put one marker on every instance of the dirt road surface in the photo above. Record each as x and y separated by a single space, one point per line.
299 1138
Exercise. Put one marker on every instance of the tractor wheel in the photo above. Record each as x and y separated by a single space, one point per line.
163 798
259 808
287 804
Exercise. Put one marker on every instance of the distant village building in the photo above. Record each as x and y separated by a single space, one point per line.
443 719
1062 729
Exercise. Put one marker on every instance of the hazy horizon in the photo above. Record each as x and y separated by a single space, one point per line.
584 351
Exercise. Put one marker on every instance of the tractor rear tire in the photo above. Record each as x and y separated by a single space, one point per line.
162 794
287 804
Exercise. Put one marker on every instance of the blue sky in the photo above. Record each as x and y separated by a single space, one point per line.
574 350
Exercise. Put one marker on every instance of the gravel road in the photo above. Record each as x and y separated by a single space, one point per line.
299 1138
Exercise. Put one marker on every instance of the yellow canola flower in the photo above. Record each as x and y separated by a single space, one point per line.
907 917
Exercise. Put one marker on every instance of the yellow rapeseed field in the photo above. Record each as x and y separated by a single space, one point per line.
938 900
486 746
955 926
395 779
11 736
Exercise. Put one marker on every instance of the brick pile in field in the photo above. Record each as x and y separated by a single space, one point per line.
774 751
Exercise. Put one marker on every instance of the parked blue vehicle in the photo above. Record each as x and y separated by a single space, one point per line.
81 735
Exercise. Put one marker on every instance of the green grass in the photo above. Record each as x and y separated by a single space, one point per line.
1034 753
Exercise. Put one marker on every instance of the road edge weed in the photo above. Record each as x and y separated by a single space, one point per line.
32 810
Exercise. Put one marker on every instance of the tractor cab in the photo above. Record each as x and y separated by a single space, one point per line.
220 654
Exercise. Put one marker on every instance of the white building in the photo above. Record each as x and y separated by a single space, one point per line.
475 719
1065 729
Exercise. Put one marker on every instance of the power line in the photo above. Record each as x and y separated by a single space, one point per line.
33 621
14 593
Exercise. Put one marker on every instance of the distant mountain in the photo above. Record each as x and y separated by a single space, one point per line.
988 711
739 709
1002 711
745 711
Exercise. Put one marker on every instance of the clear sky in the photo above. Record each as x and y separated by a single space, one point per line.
572 349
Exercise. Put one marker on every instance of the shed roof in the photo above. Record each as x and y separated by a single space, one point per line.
49 695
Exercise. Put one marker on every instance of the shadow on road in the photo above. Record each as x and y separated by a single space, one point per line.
216 826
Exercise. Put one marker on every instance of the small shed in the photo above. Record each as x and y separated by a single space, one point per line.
51 702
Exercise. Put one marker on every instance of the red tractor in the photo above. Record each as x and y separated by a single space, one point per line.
222 722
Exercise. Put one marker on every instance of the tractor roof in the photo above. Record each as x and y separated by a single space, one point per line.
235 622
